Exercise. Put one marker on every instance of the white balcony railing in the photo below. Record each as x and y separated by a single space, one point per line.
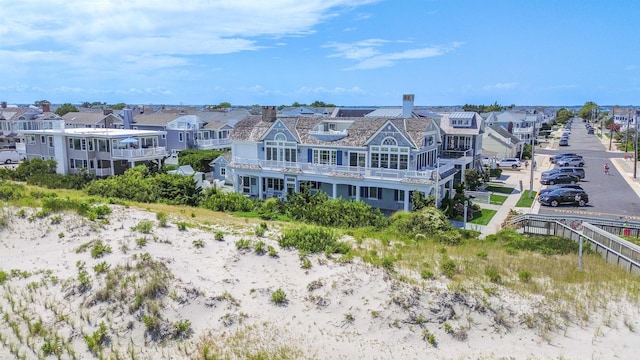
367 172
102 172
210 143
130 153
521 130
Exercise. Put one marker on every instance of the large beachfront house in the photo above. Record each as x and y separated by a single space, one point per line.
378 160
98 151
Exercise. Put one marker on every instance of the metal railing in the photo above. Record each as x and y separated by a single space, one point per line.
613 248
136 153
205 143
367 172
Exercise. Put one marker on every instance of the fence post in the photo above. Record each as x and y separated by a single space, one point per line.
580 253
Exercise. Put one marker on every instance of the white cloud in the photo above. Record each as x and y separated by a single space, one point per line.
105 36
501 86
369 54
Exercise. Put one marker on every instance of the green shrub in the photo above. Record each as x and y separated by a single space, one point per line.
427 274
243 244
101 267
279 297
144 226
493 274
259 247
219 235
449 268
388 263
306 264
162 219
272 251
482 254
99 249
182 226
182 329
141 241
313 240
524 276
198 243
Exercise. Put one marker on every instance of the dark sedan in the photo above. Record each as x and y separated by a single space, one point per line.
564 196
559 186
559 178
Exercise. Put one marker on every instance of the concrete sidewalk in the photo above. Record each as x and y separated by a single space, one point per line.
624 166
513 178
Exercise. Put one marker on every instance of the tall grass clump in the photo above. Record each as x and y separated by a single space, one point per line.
313 239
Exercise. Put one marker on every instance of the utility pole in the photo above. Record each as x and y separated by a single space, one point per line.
626 137
613 122
533 159
635 147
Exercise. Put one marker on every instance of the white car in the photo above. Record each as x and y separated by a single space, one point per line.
570 161
510 162
9 157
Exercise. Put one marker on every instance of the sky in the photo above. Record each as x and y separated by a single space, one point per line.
343 52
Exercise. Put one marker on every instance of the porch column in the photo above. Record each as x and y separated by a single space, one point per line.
406 200
260 187
236 183
357 192
335 190
451 189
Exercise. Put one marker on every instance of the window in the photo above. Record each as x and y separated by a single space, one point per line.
275 184
77 144
223 171
180 137
279 149
389 155
398 195
43 139
327 157
358 159
77 164
91 144
371 192
103 145
50 138
31 139
312 185
164 136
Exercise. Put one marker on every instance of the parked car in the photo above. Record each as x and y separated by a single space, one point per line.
590 131
563 142
10 157
570 161
561 155
510 162
559 178
563 196
571 170
551 188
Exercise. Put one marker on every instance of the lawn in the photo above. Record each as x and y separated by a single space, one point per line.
499 189
525 200
498 199
484 219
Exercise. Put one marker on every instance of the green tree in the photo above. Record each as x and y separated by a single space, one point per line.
65 108
563 115
484 108
119 106
587 109
318 103
40 102
222 105
473 178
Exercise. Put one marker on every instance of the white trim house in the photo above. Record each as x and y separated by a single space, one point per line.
377 160
99 151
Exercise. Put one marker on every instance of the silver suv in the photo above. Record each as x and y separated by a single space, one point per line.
577 171
510 162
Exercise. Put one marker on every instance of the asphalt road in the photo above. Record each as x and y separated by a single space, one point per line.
609 195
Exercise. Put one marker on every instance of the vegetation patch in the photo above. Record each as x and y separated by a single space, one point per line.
313 239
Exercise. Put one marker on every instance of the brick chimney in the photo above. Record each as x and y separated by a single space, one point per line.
4 105
107 111
46 107
407 105
269 113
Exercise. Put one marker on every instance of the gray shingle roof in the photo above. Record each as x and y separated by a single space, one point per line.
361 129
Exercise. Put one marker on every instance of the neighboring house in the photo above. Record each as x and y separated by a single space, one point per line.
219 169
625 117
498 142
89 118
462 141
99 151
380 161
202 130
520 124
304 111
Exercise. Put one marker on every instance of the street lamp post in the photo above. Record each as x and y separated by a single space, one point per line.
466 205
635 148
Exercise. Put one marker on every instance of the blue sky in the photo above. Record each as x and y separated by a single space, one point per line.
346 52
